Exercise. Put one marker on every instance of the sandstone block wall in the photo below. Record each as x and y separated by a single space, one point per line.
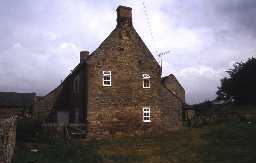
125 121
171 110
7 139
127 57
173 84
6 112
119 108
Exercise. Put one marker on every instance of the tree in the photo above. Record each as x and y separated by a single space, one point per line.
240 85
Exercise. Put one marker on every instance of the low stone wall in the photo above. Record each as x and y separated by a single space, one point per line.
201 119
7 139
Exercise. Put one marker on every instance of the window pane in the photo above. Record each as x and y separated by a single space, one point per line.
107 82
106 72
106 77
146 114
146 83
145 76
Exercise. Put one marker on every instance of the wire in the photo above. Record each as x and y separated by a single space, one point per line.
149 26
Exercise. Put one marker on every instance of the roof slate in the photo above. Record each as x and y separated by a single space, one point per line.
13 99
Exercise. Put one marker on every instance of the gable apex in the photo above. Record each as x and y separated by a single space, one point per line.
124 37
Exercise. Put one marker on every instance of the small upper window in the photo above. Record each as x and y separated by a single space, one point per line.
106 78
146 114
146 80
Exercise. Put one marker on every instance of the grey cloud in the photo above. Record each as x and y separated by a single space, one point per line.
242 13
226 30
40 41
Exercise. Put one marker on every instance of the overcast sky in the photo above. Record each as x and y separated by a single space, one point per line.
41 40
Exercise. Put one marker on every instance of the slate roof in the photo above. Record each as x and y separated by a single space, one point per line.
13 99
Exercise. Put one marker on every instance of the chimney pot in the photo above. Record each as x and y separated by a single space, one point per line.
84 55
124 15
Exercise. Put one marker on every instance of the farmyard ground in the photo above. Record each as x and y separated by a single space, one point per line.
229 142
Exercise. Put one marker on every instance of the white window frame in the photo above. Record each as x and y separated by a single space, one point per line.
145 77
146 114
106 73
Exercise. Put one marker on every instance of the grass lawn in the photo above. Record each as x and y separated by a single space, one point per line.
230 142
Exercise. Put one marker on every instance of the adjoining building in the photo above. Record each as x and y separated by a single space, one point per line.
19 105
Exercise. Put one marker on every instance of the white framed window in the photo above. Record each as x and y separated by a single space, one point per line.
146 114
106 78
146 80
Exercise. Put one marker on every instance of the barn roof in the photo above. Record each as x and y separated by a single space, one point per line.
13 99
172 78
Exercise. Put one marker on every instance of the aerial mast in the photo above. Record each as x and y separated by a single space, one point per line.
160 56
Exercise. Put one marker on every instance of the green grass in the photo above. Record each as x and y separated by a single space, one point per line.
230 142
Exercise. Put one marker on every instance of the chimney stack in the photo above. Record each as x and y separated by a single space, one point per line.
124 15
84 55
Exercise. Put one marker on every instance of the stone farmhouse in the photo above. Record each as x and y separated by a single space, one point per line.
116 89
